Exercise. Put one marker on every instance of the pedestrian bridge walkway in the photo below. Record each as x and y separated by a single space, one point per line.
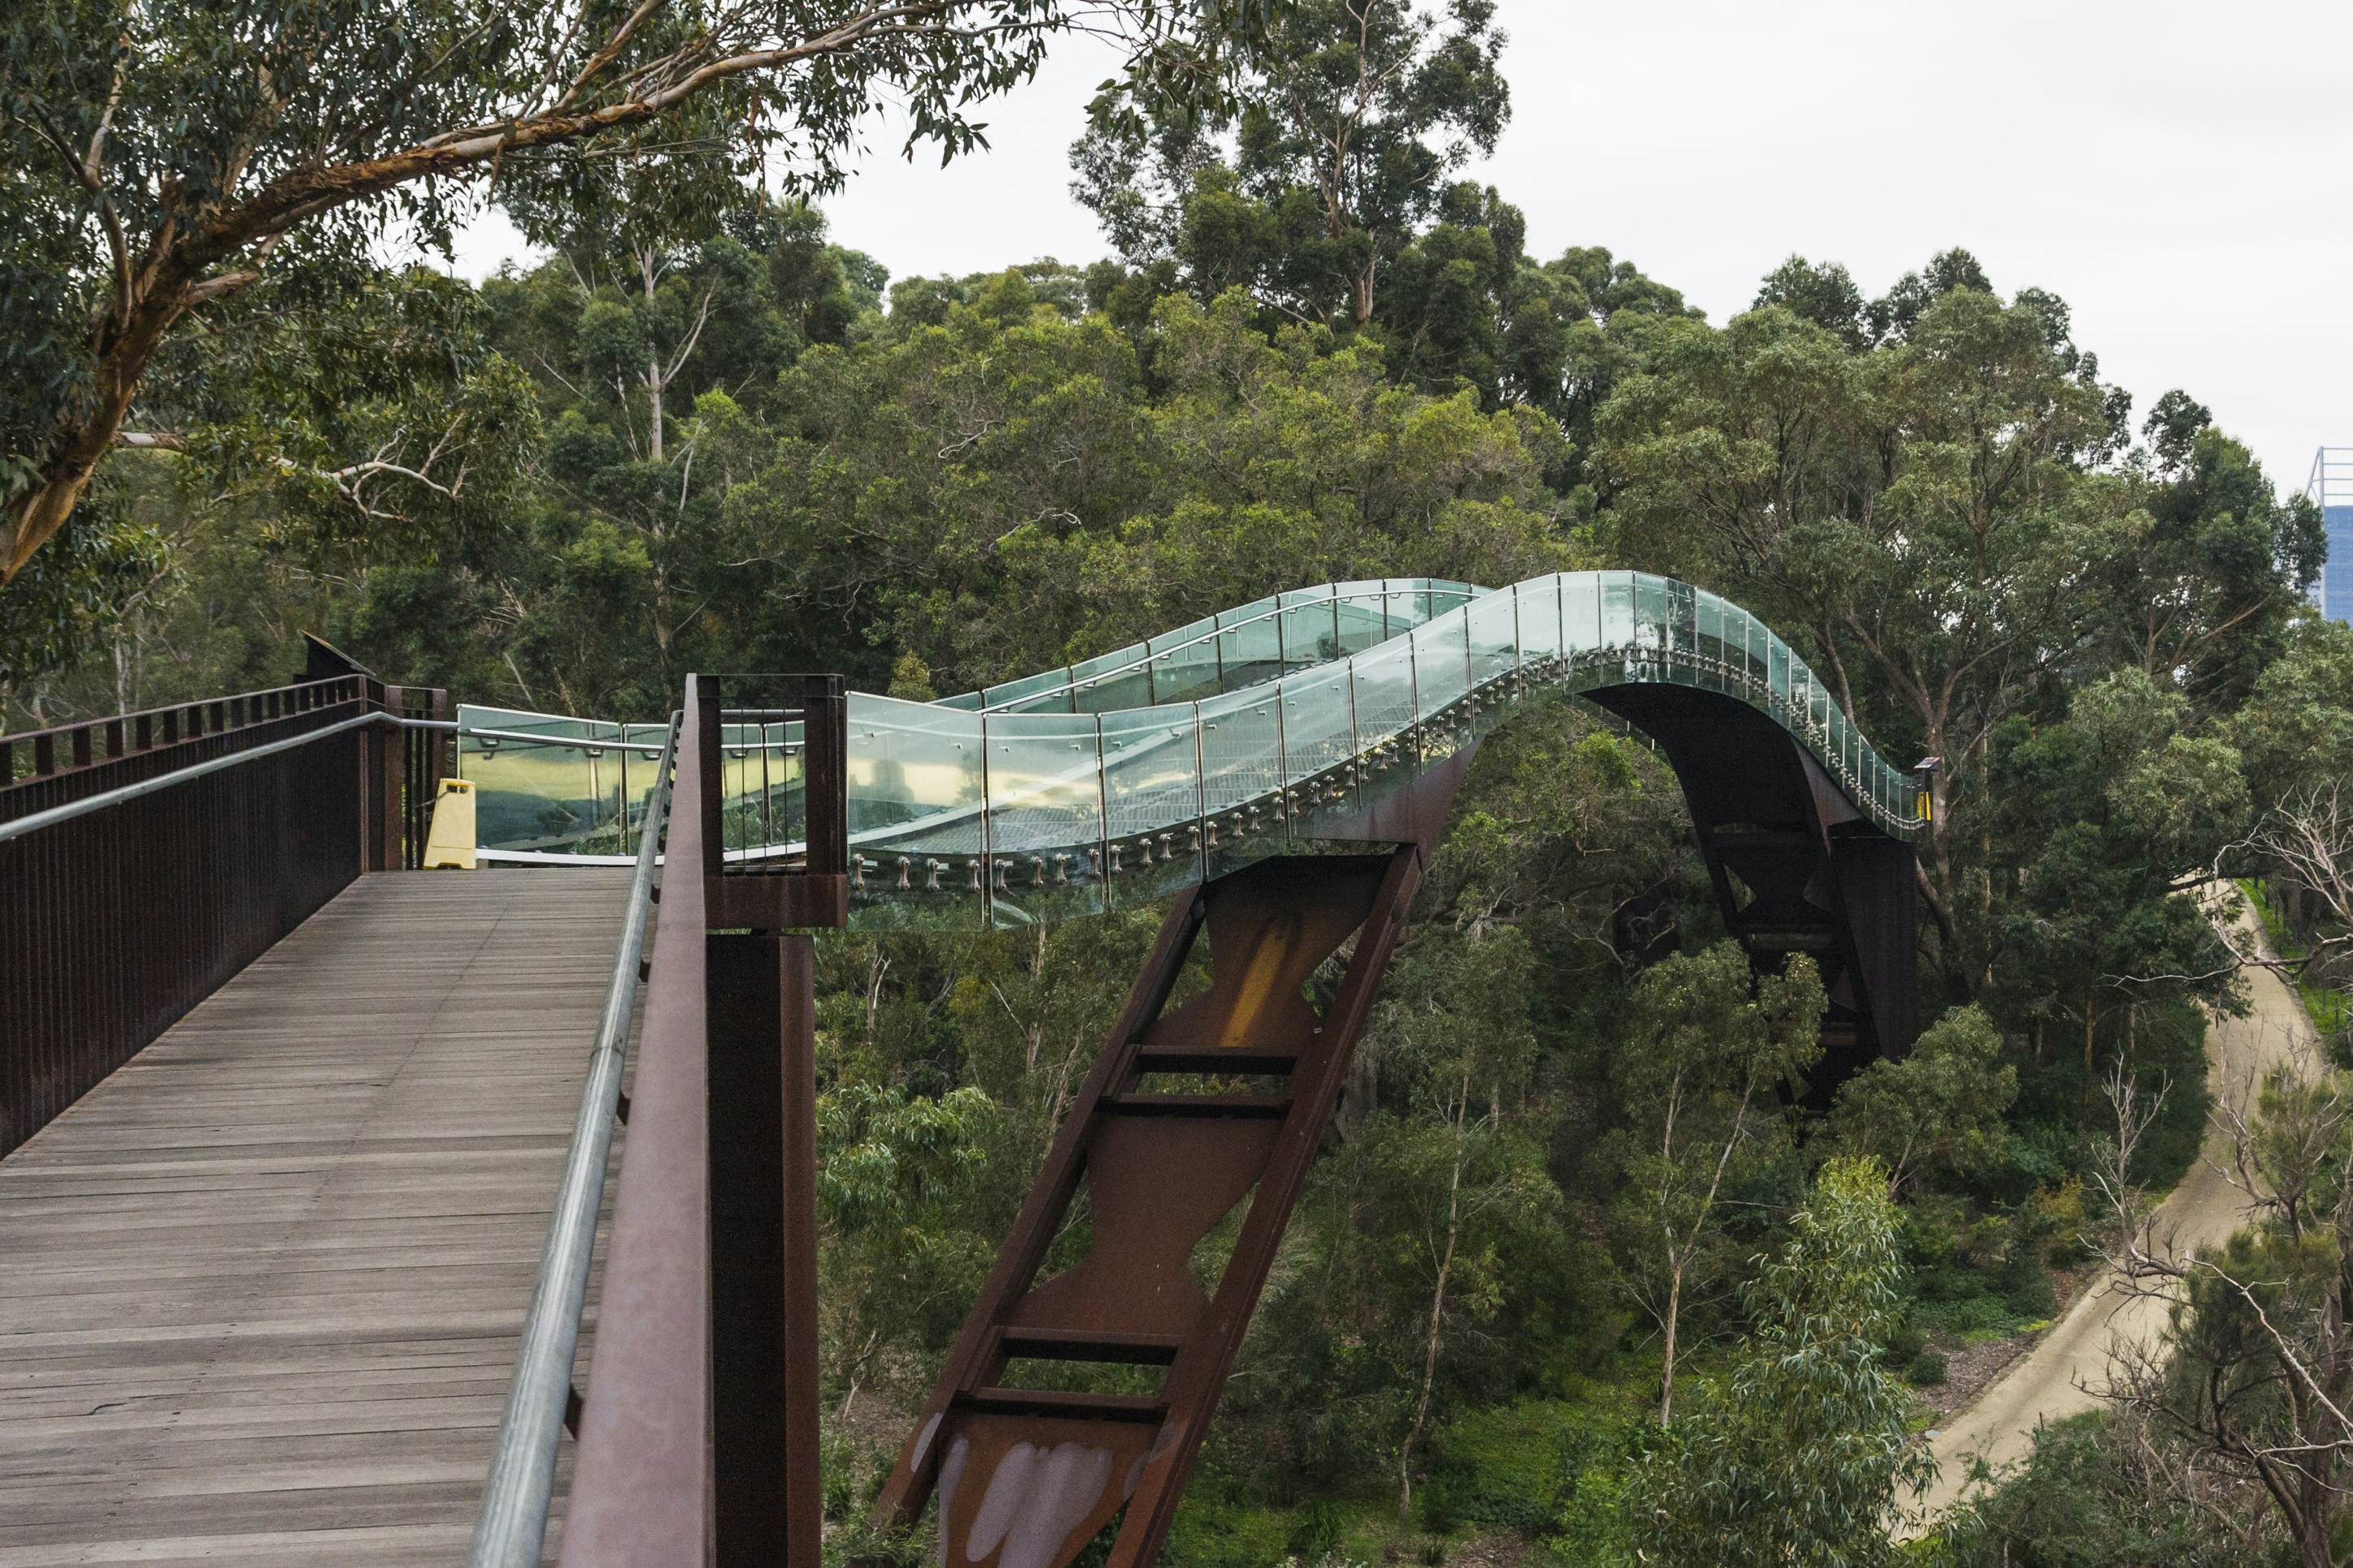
262 1284
303 1152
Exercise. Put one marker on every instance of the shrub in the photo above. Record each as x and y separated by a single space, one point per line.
2026 1286
1213 1531
1501 1468
1927 1370
1315 1533
1973 1314
2061 1223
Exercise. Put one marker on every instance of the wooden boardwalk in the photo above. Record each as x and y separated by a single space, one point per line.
260 1290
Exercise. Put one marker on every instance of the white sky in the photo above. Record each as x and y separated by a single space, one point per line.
2166 168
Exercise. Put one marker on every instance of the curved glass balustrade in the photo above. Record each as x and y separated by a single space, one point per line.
1115 781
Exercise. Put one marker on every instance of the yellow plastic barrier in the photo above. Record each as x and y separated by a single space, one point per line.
450 846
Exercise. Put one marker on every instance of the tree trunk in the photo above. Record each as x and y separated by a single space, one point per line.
74 456
1437 1302
653 360
1667 1375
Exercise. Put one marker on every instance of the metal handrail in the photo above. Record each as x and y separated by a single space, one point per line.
33 822
53 732
594 743
1152 655
513 1527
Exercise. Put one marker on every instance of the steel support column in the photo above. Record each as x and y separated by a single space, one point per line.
1029 1475
761 1011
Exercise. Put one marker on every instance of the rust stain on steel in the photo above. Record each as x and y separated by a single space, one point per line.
1158 1186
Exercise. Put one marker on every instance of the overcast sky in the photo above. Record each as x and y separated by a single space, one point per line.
2176 171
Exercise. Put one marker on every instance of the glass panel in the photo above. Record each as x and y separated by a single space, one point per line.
1317 733
1581 608
1186 671
1409 606
1539 618
1708 644
1044 785
1240 756
1777 666
1102 664
1617 609
1683 616
1045 817
1362 613
1309 638
1110 693
1050 681
915 795
533 796
1384 690
1649 613
1249 653
1152 792
1191 631
1494 652
1441 665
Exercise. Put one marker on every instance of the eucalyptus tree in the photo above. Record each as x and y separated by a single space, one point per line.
1923 507
163 160
1322 170
1801 1456
1706 1051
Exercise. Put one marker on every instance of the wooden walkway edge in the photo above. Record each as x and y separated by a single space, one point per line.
259 1289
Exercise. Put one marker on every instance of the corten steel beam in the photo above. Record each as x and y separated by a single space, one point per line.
1026 1477
699 1434
1796 867
779 894
763 1096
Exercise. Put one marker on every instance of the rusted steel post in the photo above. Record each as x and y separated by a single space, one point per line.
750 1278
762 1046
387 751
803 1492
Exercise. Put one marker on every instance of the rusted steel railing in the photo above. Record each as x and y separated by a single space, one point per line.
698 1435
146 857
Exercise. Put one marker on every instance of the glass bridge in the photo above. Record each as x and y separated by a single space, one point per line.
1264 730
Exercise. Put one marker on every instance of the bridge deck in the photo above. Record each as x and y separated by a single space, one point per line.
260 1290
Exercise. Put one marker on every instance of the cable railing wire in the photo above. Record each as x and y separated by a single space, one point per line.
513 1527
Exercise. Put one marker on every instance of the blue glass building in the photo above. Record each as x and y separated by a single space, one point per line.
2332 487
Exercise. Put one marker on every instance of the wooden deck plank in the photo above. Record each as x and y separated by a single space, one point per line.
262 1284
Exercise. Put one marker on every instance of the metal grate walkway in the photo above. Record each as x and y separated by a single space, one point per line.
259 1289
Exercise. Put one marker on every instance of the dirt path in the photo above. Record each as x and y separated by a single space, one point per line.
2055 1379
